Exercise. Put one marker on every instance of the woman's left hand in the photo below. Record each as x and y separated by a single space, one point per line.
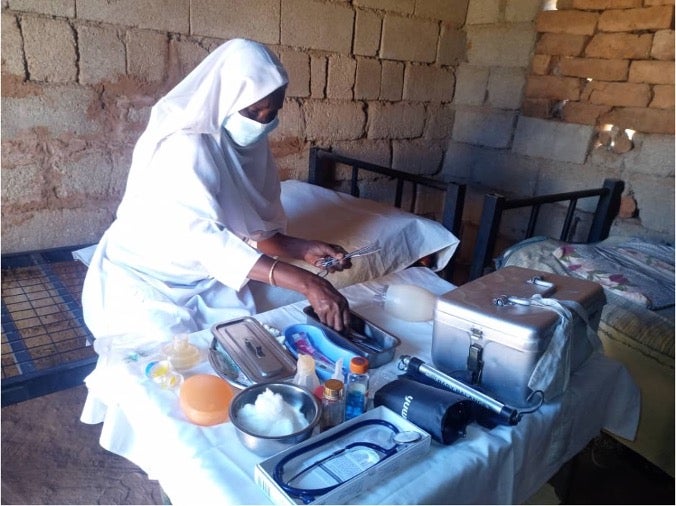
311 251
318 252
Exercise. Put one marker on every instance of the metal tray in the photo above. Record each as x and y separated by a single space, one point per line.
363 338
226 367
259 357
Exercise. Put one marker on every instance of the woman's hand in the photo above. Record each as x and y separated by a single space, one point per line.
318 252
312 252
328 303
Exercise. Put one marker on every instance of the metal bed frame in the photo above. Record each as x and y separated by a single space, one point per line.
495 205
322 172
46 346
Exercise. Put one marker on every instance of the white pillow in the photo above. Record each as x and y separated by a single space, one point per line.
314 212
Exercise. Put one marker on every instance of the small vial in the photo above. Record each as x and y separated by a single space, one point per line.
356 388
333 405
306 376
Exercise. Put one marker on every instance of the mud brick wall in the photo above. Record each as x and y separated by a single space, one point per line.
443 88
604 67
591 97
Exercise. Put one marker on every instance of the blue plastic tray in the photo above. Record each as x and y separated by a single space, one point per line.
326 352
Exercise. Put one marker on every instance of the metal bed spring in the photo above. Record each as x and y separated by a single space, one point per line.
45 343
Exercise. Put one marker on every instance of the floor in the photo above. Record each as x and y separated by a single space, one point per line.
50 457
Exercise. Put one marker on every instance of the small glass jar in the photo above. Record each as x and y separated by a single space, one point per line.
333 404
356 387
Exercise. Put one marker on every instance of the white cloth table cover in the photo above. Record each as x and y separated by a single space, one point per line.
205 465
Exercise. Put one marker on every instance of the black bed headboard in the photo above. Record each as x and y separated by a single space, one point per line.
323 161
494 205
321 173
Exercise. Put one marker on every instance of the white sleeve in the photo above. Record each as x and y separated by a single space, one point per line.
186 190
225 256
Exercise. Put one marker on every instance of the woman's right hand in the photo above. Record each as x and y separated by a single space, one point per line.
328 303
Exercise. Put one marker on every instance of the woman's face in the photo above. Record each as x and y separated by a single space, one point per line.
265 110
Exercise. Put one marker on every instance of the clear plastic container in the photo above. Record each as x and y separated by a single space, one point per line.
408 302
306 375
181 354
356 388
162 373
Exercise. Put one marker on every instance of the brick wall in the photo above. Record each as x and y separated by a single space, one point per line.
373 78
596 67
438 87
547 99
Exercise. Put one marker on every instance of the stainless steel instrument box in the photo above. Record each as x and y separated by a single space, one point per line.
484 339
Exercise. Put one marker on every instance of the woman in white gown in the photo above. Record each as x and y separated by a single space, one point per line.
201 214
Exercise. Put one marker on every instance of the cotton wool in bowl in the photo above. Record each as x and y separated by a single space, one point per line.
270 415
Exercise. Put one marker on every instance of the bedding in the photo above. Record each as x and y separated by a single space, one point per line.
404 238
637 323
314 212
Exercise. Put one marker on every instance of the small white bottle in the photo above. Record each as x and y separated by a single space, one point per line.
356 387
306 376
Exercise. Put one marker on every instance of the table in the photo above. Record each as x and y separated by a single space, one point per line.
195 465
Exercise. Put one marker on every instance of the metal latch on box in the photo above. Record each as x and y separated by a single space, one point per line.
475 363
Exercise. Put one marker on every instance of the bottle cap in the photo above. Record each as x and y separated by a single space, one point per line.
359 365
333 389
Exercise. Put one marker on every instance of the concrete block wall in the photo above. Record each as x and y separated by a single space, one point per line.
370 78
612 66
436 87
545 96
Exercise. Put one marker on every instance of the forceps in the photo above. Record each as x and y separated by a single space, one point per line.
327 262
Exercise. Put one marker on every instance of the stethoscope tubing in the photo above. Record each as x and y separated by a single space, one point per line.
308 495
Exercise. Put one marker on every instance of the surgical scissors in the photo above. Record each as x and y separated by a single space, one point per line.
327 262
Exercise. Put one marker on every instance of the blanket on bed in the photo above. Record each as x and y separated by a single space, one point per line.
640 271
626 317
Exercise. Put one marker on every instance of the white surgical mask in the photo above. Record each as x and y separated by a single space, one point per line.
244 131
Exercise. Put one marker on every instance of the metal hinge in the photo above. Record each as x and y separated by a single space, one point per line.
475 363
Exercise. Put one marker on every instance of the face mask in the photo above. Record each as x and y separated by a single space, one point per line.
244 131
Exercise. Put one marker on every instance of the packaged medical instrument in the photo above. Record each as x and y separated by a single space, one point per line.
360 338
356 387
517 331
341 463
257 354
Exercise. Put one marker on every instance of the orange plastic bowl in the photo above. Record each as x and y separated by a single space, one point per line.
205 399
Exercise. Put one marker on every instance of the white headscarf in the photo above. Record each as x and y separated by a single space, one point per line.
234 76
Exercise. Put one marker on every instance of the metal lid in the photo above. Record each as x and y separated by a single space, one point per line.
254 350
333 389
